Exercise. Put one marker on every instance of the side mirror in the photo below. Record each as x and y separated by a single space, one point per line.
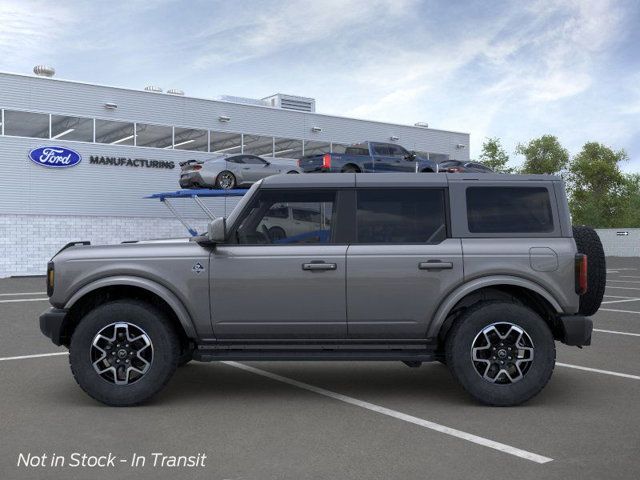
217 230
267 164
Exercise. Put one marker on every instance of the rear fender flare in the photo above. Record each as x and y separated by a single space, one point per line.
462 291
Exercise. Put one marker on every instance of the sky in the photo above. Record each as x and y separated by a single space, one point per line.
507 69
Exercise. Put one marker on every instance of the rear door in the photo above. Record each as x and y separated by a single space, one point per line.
402 263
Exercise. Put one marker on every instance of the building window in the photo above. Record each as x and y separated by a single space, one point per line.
287 148
72 128
190 139
316 148
114 133
227 143
257 145
157 136
26 124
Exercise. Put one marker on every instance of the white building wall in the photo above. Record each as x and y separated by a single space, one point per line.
616 244
27 242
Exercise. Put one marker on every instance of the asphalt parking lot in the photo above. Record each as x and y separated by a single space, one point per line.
326 420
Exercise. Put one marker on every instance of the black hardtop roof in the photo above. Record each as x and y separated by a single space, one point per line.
332 180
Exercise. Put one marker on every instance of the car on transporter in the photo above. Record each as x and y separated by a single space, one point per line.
227 172
482 272
369 157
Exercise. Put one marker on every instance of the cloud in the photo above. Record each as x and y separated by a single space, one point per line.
30 28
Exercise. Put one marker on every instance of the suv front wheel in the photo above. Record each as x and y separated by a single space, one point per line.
502 353
123 352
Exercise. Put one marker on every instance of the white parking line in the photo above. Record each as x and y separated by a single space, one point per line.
22 357
616 296
616 332
624 281
619 311
623 288
621 301
21 293
15 300
597 370
629 276
485 442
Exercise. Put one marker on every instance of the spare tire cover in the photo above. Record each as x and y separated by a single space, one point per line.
588 242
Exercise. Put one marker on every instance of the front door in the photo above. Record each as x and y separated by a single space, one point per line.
401 264
276 279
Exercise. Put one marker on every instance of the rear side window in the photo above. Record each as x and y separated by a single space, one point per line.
401 216
509 210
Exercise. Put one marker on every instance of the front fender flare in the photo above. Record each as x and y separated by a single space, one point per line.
462 291
167 295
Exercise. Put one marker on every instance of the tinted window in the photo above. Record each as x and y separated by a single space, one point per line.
254 160
267 220
115 133
397 151
479 166
235 159
381 150
72 128
509 210
401 216
357 151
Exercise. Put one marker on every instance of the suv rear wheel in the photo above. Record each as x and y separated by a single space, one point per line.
502 353
123 352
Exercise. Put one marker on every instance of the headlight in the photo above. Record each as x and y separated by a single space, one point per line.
50 278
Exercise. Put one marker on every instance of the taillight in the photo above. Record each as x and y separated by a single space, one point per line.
298 162
581 273
197 167
326 160
50 278
454 170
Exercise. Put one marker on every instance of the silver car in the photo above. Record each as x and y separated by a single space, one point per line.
231 171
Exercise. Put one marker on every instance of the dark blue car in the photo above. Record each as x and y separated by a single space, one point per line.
368 157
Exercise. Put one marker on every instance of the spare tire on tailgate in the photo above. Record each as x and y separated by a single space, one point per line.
589 243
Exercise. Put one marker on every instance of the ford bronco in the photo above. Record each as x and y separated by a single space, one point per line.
481 272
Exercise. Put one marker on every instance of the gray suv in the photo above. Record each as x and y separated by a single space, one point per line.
481 272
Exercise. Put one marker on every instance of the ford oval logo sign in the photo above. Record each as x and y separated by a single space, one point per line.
55 157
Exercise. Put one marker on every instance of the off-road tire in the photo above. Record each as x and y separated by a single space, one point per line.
166 352
458 351
588 242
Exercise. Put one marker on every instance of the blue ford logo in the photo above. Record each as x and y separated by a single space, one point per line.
55 157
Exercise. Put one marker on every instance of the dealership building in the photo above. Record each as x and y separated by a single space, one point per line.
127 144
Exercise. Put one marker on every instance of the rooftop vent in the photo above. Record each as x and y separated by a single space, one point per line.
175 91
44 71
153 88
243 100
422 124
291 102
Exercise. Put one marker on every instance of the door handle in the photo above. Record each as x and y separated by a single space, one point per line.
435 265
319 266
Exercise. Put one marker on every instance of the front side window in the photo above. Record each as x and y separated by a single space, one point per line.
509 210
397 151
382 150
401 216
267 220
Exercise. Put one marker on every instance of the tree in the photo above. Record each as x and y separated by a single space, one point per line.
599 191
543 155
494 156
631 216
